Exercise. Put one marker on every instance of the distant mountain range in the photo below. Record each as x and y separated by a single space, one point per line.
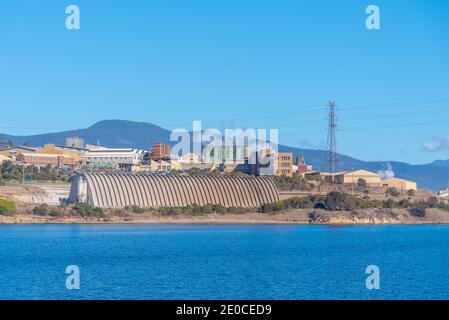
141 135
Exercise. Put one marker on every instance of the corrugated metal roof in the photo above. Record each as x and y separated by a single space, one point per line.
120 190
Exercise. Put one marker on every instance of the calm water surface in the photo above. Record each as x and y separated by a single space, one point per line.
223 261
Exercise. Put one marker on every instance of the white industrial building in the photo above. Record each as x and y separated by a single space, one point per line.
113 158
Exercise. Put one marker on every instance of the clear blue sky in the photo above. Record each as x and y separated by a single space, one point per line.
263 64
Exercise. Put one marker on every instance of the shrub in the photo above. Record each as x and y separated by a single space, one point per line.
41 210
389 204
86 210
361 183
279 206
443 206
45 210
411 193
208 208
313 177
300 203
392 192
195 210
404 203
334 201
218 208
266 208
2 183
432 202
135 209
237 210
350 203
418 211
120 213
169 211
56 212
366 203
7 208
291 183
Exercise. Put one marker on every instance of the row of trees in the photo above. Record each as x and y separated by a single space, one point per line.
338 201
10 171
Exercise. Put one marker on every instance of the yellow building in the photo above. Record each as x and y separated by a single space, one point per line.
399 184
283 164
14 151
352 177
4 158
75 153
156 166
190 158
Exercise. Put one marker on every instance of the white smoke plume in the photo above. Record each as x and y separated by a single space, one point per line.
385 174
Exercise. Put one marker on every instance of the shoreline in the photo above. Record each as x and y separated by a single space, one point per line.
290 217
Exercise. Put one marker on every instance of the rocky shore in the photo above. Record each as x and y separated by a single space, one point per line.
294 216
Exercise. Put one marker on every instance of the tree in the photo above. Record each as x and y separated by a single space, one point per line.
432 202
418 211
392 192
361 183
335 200
388 204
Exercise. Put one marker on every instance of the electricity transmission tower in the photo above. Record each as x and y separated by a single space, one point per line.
331 145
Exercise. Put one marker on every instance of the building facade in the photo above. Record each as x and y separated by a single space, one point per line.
75 153
4 158
14 151
283 164
160 151
399 184
352 177
106 158
45 159
153 191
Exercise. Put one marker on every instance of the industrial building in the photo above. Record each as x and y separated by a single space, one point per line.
112 158
352 177
170 165
399 184
114 190
14 151
4 158
74 152
43 160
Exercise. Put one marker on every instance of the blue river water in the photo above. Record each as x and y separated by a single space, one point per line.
223 261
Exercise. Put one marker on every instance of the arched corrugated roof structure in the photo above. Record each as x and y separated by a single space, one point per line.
114 190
